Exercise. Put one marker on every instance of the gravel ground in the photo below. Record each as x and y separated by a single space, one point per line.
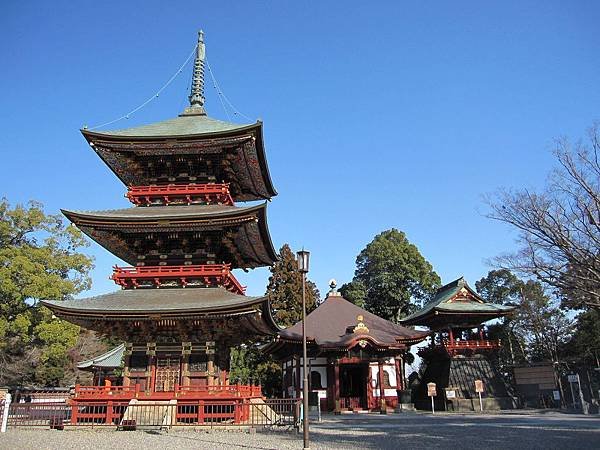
406 430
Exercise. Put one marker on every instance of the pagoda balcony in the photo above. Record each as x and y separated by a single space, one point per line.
205 275
463 346
180 194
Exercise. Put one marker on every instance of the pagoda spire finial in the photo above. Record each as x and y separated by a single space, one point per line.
197 89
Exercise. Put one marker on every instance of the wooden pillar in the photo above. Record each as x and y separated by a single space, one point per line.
382 405
151 374
297 377
480 333
210 368
398 360
185 370
451 334
336 386
210 362
126 365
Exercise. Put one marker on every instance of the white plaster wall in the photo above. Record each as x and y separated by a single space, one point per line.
391 370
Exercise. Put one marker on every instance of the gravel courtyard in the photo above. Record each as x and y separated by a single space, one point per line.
408 430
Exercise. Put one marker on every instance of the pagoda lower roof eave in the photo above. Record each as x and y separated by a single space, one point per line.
179 304
151 301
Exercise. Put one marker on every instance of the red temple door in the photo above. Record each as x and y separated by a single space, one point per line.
167 373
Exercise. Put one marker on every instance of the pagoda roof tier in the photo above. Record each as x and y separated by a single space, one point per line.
164 306
192 148
456 304
242 234
339 325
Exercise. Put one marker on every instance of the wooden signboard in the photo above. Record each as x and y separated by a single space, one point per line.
431 390
479 390
478 386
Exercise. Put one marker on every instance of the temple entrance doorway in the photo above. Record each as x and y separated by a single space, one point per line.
353 385
167 373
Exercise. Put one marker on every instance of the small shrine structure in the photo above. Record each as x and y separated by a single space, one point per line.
180 308
459 351
105 367
355 358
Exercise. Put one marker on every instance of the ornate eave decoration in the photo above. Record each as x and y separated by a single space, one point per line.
360 328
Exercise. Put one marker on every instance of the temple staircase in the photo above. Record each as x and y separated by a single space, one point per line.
263 414
150 414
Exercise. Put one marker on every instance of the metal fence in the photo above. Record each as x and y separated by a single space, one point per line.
273 413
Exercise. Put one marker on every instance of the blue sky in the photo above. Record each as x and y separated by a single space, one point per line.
376 115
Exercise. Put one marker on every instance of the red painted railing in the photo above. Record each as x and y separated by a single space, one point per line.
458 347
180 392
207 274
213 193
474 344
130 415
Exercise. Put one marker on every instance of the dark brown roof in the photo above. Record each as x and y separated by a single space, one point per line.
332 324
250 179
247 226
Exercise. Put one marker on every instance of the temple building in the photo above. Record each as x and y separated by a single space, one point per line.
356 359
459 351
180 308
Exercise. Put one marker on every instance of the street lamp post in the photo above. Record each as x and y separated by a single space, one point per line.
303 258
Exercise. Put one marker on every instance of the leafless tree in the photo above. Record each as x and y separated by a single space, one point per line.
559 227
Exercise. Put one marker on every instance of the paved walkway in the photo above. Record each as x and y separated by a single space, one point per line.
408 430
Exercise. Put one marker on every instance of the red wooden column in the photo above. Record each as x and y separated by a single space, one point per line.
382 405
451 333
336 389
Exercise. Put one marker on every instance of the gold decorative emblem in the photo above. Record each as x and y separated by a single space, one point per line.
362 343
360 327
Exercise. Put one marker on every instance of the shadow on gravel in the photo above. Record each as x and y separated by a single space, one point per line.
471 432
207 440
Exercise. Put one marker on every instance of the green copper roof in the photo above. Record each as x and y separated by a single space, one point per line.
110 359
155 301
448 300
187 124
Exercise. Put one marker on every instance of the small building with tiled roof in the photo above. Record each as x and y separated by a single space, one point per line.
103 366
356 359
460 352
456 303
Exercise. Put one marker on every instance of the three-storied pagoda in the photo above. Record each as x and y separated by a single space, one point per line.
180 308
460 352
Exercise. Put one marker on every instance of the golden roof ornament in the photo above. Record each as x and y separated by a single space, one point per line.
333 292
360 327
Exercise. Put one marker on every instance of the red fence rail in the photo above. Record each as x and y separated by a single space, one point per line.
200 413
211 193
206 274
232 391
